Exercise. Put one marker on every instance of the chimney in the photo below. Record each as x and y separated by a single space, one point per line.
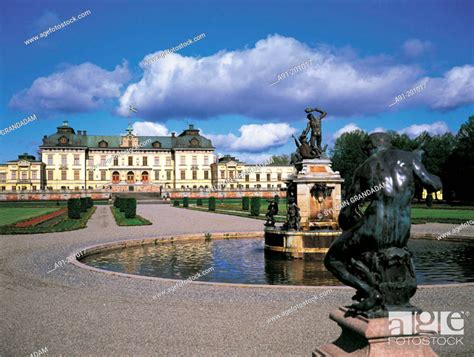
79 132
173 134
84 132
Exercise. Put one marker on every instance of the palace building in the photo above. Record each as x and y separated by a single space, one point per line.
74 160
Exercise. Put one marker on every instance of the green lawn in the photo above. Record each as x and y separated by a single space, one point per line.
122 221
10 215
449 215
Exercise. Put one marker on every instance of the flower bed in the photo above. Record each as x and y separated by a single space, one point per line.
40 219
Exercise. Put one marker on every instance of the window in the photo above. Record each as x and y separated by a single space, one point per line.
102 160
76 175
130 177
206 175
247 186
145 176
91 175
195 160
206 160
115 177
64 160
269 177
239 173
195 174
116 163
76 160
145 160
13 175
50 175
168 175
156 144
231 174
3 177
130 143
183 175
222 174
257 177
247 178
157 174
182 160
23 175
63 175
50 159
33 188
34 175
103 175
13 188
168 161
130 161
279 177
91 161
103 144
157 160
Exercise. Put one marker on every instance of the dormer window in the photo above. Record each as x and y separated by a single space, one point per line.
194 143
156 144
63 140
103 144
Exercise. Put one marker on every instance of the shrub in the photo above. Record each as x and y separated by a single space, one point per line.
83 204
245 203
176 203
122 204
89 201
212 203
74 208
130 208
277 199
57 203
186 202
117 202
255 206
199 202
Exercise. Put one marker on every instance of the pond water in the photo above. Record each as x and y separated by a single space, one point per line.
245 261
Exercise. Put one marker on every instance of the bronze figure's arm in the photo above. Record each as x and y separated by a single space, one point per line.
430 181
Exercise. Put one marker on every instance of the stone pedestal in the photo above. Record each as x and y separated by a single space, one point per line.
317 190
362 337
318 209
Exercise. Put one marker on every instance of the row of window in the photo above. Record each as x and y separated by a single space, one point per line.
22 188
106 160
247 177
23 176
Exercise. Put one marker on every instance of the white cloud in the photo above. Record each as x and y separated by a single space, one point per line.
346 129
80 88
146 128
254 137
436 128
378 130
415 47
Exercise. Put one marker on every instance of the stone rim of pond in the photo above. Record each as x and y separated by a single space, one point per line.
99 248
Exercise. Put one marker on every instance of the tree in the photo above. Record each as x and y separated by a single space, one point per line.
348 154
280 160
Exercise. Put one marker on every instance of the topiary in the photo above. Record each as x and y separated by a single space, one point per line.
130 208
176 203
212 203
245 203
199 202
186 202
74 208
83 204
255 206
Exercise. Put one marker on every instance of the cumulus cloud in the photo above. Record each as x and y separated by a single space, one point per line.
80 88
346 129
415 47
436 128
238 82
254 137
147 128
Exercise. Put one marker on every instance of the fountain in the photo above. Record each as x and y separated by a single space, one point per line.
313 199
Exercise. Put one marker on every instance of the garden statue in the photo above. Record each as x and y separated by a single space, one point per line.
271 213
371 254
292 216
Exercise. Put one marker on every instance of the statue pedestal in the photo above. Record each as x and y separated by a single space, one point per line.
371 338
317 190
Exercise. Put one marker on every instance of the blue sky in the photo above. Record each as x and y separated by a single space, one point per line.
362 53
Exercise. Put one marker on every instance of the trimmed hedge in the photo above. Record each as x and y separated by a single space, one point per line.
122 203
176 203
74 208
130 207
245 203
255 206
89 201
199 202
186 202
212 203
83 204
117 202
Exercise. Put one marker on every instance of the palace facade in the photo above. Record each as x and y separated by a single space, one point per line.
74 160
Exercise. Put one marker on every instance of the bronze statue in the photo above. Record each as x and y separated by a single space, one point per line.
371 254
314 126
293 216
272 211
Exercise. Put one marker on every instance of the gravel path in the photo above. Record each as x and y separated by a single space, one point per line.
73 311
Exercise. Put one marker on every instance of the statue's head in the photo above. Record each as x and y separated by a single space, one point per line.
377 141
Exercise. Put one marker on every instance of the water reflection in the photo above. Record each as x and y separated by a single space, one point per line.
245 261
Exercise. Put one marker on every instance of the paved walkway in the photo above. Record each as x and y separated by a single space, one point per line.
73 311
